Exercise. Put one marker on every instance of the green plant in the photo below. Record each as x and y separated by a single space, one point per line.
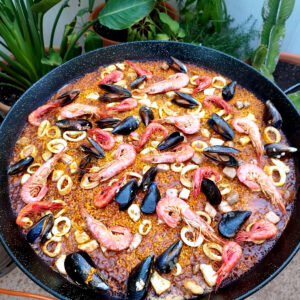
21 30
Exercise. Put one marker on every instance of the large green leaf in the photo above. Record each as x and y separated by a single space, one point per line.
121 14
295 98
166 19
92 41
259 57
44 5
53 59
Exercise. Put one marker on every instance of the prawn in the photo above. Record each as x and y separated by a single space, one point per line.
180 153
108 193
125 105
35 188
201 173
124 157
261 230
151 129
75 110
218 101
116 238
35 208
174 82
140 70
113 77
255 178
186 123
172 210
231 255
36 114
202 82
244 125
103 138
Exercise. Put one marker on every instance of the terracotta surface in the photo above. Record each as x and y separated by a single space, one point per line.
291 58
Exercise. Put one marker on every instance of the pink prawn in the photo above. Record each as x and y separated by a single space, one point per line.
36 114
113 77
202 82
201 173
75 110
140 70
103 138
218 101
125 105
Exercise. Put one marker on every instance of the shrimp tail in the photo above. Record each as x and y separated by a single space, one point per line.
222 274
243 236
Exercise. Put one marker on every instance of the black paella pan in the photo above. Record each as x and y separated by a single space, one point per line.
12 238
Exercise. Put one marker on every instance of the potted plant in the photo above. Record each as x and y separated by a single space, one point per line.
121 21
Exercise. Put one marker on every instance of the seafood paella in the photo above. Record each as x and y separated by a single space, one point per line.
153 179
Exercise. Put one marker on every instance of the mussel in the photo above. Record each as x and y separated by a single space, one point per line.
146 114
232 221
40 229
108 122
229 90
177 65
82 270
72 124
220 126
185 100
127 125
148 178
150 200
115 93
100 151
222 155
68 97
272 115
211 191
172 140
168 259
89 151
279 150
126 194
83 165
139 279
136 82
20 165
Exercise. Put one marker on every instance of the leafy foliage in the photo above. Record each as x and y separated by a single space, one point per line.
295 98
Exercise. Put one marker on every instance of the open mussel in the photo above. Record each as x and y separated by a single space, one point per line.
272 115
108 122
222 155
73 124
185 100
68 97
82 270
146 114
115 93
150 200
83 166
127 125
177 65
278 150
136 82
171 141
211 191
165 262
127 194
229 90
232 221
148 178
40 229
139 279
20 165
100 151
220 126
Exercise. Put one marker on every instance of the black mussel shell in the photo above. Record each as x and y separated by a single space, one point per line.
83 165
127 194
40 229
228 90
211 191
20 166
185 100
89 151
279 150
82 270
177 65
148 178
168 259
68 97
115 93
232 221
146 114
171 141
99 149
150 200
222 155
136 82
272 115
108 122
74 124
127 125
140 274
220 126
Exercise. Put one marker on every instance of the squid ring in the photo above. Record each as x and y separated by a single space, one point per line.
248 228
86 184
184 181
64 185
207 249
178 269
56 130
199 145
56 145
43 128
28 150
57 250
65 229
145 227
177 167
27 222
282 174
216 80
268 138
74 136
205 215
188 242
193 79
32 168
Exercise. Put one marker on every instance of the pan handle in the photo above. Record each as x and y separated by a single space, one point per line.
291 88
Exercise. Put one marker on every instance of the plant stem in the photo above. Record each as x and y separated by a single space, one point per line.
12 85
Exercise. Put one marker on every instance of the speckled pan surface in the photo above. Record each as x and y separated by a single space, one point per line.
38 94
